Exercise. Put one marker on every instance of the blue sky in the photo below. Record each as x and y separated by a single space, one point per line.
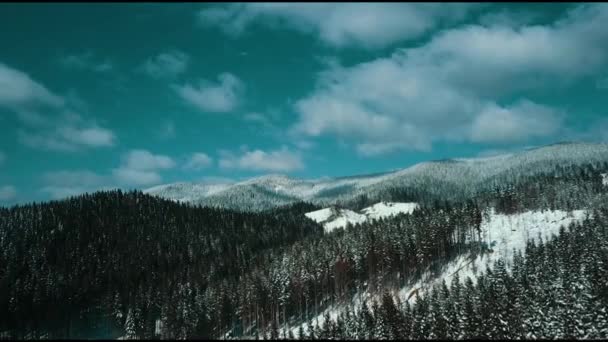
96 96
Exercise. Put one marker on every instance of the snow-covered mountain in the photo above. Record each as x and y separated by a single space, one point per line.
446 176
332 217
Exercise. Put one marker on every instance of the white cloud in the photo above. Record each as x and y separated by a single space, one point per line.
144 160
281 160
18 90
68 132
451 86
198 161
7 192
368 25
167 64
208 96
92 136
86 61
140 167
61 184
59 128
515 123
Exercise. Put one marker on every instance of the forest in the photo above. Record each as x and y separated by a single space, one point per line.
121 264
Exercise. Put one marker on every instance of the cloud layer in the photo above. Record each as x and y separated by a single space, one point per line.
367 25
60 128
457 87
18 90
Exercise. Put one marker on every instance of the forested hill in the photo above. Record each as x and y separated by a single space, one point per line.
68 263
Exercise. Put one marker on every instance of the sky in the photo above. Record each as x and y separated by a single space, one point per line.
98 96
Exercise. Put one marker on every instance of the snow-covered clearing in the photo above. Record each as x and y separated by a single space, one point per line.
386 209
502 233
332 218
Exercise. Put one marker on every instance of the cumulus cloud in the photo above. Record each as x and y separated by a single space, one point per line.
281 160
86 61
167 64
367 25
522 120
7 192
198 161
208 96
451 87
140 167
69 132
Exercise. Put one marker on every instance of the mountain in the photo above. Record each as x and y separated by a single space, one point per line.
444 180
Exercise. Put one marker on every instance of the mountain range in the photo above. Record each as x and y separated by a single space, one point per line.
442 179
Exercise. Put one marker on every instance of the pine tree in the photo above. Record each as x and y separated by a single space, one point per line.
130 332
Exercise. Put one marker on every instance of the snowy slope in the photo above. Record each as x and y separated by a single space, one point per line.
463 174
332 218
503 232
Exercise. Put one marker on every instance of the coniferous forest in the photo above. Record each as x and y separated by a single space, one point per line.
120 264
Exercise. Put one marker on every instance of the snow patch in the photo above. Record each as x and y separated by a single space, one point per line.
604 178
386 209
332 218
